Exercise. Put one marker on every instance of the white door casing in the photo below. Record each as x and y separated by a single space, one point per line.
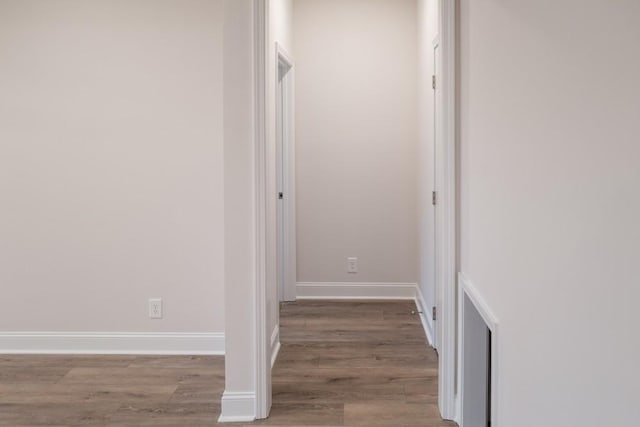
446 254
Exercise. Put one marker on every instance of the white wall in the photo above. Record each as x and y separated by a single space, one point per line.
550 102
111 165
239 398
427 32
356 139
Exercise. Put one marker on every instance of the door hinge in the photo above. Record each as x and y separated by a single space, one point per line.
280 195
434 198
433 82
434 314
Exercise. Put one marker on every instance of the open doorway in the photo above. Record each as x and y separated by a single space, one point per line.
356 177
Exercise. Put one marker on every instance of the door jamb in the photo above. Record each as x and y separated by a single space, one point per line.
447 259
262 357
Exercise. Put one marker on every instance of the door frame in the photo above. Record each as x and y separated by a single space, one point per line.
288 160
446 251
435 44
262 336
447 286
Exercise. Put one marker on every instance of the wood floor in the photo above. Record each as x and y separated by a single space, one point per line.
341 364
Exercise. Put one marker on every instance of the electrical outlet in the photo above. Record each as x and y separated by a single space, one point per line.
155 308
352 265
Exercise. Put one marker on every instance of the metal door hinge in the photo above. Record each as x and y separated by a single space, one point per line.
434 314
433 82
434 198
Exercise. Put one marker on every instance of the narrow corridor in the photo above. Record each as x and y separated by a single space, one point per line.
347 363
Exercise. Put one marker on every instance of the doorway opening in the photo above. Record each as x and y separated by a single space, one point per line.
376 282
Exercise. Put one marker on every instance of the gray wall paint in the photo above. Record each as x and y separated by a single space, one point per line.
111 165
550 102
356 137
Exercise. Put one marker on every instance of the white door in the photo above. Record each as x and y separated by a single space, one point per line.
285 181
280 269
434 201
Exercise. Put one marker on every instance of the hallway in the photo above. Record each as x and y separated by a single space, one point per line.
354 364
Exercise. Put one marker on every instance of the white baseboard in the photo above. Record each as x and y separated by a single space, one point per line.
424 317
275 344
112 343
238 407
355 290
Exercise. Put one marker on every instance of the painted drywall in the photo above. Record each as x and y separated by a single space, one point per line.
111 165
356 139
550 203
427 32
240 210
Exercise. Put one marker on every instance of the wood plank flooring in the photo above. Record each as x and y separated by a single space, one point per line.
341 364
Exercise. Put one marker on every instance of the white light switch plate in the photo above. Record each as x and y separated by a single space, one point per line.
352 265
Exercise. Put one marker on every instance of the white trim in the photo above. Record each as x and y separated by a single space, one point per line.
424 311
237 407
467 288
355 290
289 167
446 228
111 343
283 56
262 348
275 345
478 301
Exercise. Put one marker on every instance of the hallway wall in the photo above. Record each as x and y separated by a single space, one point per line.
356 139
550 202
111 165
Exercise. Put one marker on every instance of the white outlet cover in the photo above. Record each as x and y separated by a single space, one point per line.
155 308
352 265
